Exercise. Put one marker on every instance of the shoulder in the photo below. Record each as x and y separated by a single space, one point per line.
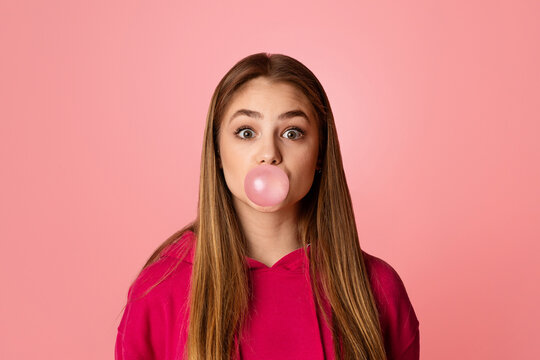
160 290
384 278
172 268
387 286
398 318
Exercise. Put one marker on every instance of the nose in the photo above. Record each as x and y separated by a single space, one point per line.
268 152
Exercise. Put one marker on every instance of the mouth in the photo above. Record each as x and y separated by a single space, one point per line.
266 185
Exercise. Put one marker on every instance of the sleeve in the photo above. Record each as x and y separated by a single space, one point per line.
399 323
133 340
142 332
412 351
404 326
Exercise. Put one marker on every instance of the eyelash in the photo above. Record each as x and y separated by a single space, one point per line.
237 131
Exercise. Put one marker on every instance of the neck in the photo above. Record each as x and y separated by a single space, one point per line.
269 235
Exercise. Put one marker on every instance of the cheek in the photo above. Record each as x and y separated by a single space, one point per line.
309 156
304 170
233 172
229 167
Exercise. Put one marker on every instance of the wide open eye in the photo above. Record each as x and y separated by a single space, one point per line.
294 133
243 132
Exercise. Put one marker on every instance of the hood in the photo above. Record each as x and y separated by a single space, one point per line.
293 261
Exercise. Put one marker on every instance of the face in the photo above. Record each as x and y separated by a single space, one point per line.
269 123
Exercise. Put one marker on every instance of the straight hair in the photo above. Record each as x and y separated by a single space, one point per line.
220 285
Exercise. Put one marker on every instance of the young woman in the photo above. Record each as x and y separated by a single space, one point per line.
282 281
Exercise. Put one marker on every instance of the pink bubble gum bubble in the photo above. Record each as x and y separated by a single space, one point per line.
266 185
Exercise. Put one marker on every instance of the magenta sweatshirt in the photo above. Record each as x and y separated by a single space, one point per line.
283 320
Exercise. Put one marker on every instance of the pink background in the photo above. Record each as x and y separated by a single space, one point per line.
103 105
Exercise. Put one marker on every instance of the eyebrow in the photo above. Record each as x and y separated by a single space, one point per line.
257 115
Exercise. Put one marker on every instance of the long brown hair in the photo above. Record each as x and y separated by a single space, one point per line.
220 288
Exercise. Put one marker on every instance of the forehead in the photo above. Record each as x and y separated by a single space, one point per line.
260 93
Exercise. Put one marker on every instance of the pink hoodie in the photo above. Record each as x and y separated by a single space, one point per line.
284 323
